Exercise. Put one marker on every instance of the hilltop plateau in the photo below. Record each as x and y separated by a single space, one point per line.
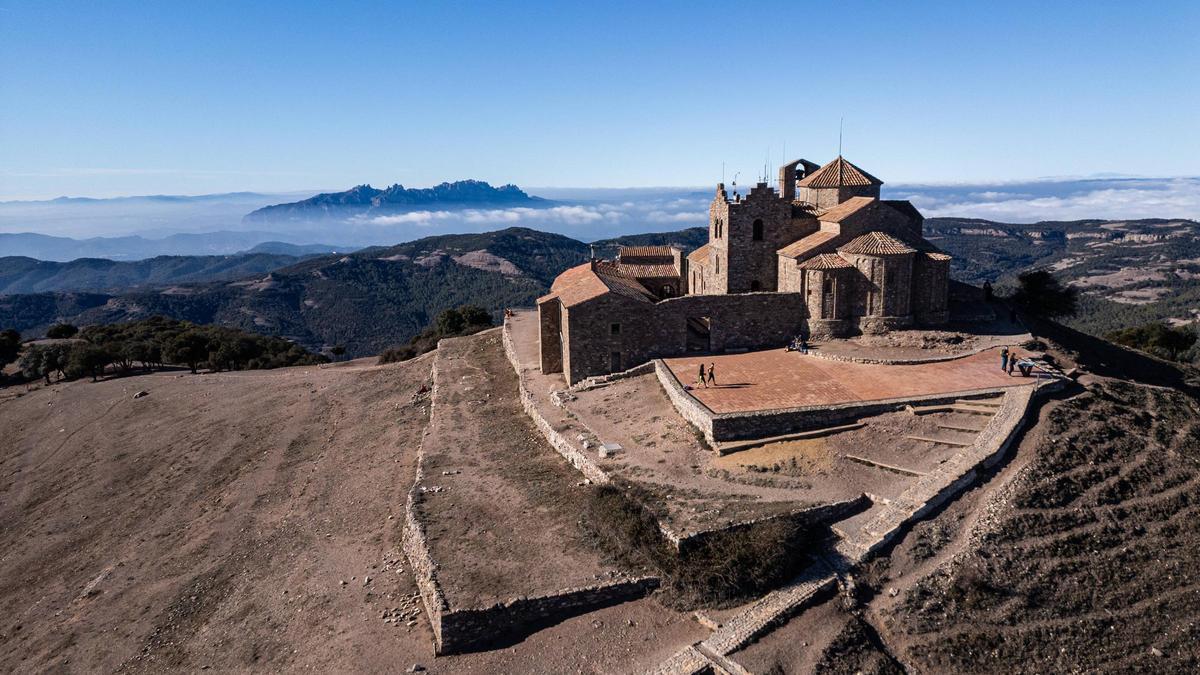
169 531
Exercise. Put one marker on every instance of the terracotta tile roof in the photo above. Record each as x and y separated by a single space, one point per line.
805 210
837 173
877 243
700 255
592 280
647 270
621 284
904 206
798 248
846 209
644 252
937 255
825 261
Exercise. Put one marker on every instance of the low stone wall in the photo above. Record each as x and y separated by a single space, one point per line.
817 353
949 479
415 545
721 427
688 406
602 380
463 629
560 443
809 517
468 629
764 423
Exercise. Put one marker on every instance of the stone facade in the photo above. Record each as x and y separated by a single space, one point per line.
821 256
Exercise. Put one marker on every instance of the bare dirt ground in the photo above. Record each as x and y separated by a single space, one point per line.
498 497
211 523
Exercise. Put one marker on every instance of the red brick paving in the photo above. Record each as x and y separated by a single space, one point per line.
777 378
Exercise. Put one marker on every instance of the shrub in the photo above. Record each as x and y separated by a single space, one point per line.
61 331
10 346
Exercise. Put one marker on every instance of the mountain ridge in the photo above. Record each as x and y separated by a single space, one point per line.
362 199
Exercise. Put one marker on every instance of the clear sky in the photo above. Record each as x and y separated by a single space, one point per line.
109 98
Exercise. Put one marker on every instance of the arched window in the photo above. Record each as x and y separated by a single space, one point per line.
758 229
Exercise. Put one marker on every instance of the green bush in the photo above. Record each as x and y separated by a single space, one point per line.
61 331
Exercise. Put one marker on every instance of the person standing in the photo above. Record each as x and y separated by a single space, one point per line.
1012 361
702 380
1004 359
712 374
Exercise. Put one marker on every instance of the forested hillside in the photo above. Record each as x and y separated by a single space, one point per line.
1129 272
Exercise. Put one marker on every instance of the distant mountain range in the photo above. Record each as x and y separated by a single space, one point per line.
45 247
364 199
367 301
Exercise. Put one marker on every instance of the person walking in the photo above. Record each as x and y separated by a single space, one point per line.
712 374
1004 359
1012 362
702 380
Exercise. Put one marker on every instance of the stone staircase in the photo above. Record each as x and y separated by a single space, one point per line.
931 490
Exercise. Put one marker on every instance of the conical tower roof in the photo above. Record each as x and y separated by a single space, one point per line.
839 173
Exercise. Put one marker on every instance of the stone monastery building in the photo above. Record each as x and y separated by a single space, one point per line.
823 256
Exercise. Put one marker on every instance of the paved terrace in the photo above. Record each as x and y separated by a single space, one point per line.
776 378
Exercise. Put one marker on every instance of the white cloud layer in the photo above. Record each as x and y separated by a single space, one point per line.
1060 200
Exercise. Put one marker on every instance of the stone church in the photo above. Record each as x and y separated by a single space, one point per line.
820 256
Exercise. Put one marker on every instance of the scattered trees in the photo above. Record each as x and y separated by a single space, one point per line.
1041 293
463 320
153 343
1159 339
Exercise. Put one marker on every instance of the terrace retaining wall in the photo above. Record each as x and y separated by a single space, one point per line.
737 426
560 443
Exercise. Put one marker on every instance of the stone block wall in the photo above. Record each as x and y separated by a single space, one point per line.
465 630
575 456
650 331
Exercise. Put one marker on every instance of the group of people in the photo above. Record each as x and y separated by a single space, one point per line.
708 377
798 344
1009 360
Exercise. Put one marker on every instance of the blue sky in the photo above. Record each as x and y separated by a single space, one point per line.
109 98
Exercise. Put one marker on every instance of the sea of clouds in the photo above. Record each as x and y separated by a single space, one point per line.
585 214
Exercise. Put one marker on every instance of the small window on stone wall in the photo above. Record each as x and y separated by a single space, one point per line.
668 290
615 329
758 229
829 285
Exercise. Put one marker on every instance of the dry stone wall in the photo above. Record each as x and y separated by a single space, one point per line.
560 443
